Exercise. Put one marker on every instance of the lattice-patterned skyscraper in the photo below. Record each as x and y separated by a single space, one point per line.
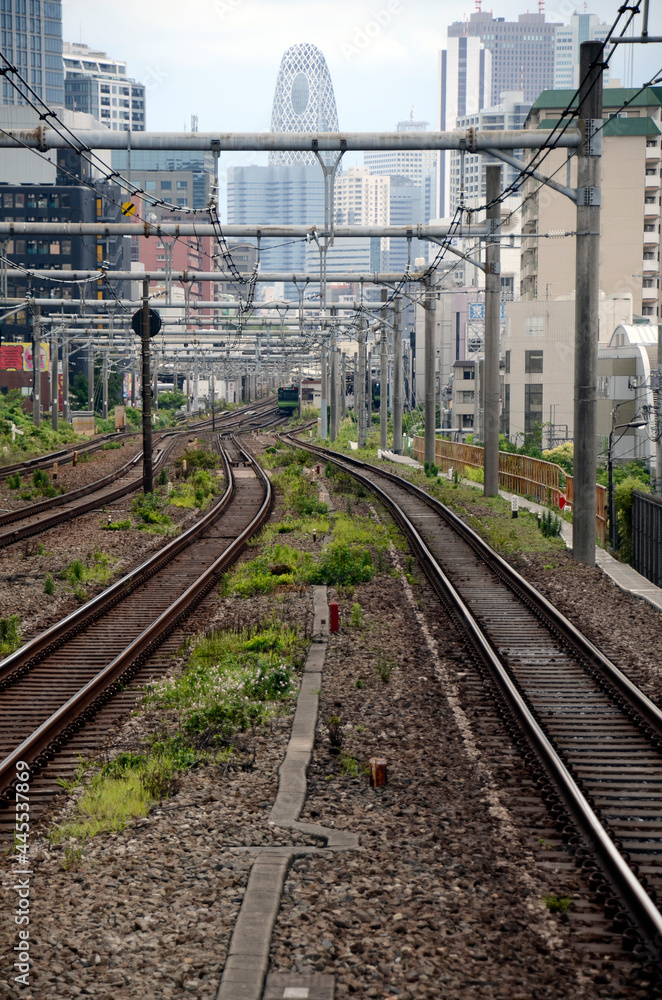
304 100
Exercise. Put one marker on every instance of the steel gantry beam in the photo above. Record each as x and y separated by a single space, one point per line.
255 231
44 138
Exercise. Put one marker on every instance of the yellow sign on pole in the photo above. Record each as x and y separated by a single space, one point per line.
128 208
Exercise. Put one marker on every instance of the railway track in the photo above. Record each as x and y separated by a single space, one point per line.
595 740
35 518
53 688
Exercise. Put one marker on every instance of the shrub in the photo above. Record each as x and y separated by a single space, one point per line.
341 565
49 585
550 524
10 634
623 502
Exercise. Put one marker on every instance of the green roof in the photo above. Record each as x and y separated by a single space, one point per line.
615 126
612 97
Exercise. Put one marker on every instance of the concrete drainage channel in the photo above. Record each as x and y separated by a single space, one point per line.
248 954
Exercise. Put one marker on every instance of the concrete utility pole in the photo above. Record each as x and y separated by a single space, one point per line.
104 384
333 394
587 284
65 377
430 311
383 379
383 390
54 386
397 376
148 476
359 390
492 311
324 397
36 369
343 385
90 378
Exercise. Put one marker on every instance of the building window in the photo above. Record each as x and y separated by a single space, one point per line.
507 362
535 326
533 362
166 185
532 408
468 373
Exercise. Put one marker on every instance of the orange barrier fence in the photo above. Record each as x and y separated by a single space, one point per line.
544 482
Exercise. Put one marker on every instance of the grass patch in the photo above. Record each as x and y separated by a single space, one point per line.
300 494
557 904
11 636
234 680
97 569
148 510
196 491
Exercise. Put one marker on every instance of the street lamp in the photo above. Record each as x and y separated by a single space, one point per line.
613 534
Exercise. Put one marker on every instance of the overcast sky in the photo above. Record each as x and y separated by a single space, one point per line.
219 58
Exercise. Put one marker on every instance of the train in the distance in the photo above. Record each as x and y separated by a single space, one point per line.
288 398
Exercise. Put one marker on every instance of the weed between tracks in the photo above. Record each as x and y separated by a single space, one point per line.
233 681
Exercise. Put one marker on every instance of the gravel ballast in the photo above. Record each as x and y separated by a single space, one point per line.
442 898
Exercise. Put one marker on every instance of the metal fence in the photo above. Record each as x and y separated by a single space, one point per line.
544 482
647 536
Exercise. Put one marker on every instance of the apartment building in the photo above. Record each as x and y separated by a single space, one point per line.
631 204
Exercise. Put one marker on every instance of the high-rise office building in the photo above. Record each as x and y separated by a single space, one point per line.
582 28
31 38
290 190
278 195
304 100
416 165
183 179
99 85
467 170
522 51
465 72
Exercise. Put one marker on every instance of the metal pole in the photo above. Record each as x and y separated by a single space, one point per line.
54 383
343 385
65 378
429 306
90 378
104 410
155 384
587 301
383 390
148 478
334 389
359 390
610 490
323 399
492 307
397 376
213 418
36 369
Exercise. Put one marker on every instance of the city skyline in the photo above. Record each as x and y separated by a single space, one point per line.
221 62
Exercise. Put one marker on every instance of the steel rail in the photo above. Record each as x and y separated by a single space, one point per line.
60 515
38 748
63 455
640 906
